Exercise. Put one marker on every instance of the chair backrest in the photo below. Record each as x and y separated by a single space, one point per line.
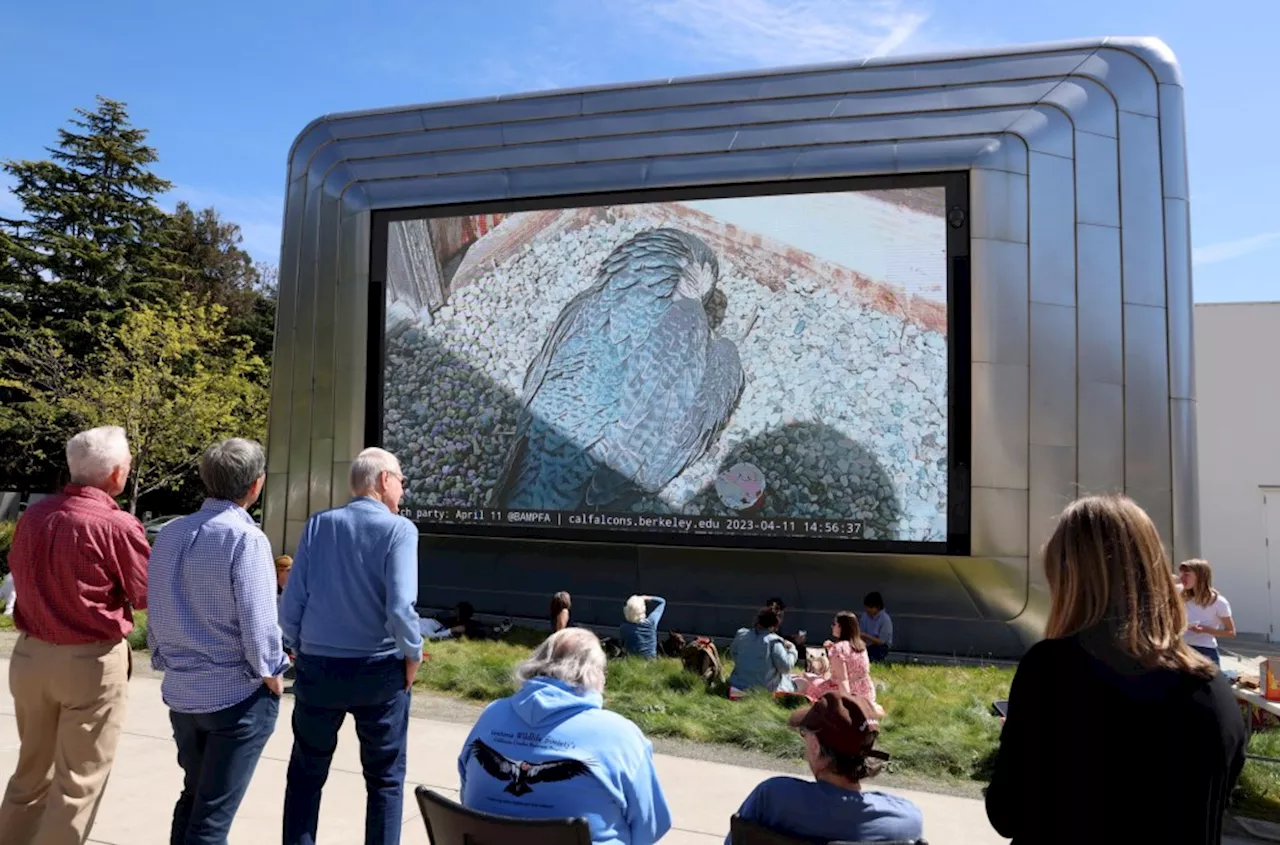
450 823
743 832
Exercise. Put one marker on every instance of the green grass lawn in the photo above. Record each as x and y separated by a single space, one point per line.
1258 795
939 722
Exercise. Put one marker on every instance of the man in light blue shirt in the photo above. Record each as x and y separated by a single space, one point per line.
348 612
762 659
212 631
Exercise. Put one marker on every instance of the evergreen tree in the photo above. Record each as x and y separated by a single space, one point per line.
217 271
94 241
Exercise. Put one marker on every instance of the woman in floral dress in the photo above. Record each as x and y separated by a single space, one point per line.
850 672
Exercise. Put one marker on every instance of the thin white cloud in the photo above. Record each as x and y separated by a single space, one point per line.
1228 250
258 217
784 32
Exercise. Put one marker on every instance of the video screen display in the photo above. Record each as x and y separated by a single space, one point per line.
752 366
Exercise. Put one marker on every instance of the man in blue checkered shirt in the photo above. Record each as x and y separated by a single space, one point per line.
213 631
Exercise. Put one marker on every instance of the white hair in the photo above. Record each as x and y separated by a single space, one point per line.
634 610
369 465
573 656
94 454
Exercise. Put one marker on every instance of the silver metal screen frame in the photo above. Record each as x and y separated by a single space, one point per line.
1081 370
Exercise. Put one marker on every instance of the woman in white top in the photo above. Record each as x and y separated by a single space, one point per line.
1208 611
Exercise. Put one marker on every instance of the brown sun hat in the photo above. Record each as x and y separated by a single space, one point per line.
846 724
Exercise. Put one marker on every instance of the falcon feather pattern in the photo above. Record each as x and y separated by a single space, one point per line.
630 385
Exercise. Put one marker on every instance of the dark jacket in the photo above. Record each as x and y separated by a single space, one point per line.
1098 749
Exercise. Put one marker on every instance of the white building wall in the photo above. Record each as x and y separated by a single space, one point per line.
1237 350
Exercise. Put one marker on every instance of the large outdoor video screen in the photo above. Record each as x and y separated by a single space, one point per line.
757 366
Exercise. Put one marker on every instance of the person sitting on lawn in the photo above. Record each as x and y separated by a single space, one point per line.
778 606
850 669
877 628
639 631
561 604
551 750
463 624
761 658
839 745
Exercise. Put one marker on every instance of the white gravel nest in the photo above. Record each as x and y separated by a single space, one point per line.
844 408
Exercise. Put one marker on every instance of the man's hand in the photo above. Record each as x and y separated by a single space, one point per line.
275 684
411 665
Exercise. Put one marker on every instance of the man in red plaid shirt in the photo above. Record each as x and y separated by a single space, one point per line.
80 564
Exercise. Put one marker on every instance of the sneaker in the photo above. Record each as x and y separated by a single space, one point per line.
503 627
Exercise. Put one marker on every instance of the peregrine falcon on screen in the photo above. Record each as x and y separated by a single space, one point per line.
630 386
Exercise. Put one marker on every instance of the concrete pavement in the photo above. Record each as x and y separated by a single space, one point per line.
146 782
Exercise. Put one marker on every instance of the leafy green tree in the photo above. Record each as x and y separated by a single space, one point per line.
176 381
36 377
170 375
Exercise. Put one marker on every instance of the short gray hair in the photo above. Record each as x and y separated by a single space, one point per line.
228 469
573 656
369 465
94 454
634 610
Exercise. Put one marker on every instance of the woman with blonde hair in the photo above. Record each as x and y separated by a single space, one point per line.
1208 611
1113 703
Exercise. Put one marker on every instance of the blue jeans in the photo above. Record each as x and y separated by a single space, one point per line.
218 752
373 691
1211 653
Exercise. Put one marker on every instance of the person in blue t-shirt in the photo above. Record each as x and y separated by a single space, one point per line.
761 658
551 751
839 744
639 631
877 628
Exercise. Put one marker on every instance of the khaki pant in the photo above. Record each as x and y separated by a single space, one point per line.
70 701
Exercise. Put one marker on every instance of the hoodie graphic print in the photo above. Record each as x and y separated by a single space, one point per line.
551 751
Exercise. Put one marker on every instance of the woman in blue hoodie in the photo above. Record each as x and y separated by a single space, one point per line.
552 751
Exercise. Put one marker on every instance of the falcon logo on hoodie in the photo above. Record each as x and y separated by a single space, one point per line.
522 774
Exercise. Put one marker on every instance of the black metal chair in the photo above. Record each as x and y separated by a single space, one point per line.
743 832
450 823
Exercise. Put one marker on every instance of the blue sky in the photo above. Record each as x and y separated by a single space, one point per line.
225 87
